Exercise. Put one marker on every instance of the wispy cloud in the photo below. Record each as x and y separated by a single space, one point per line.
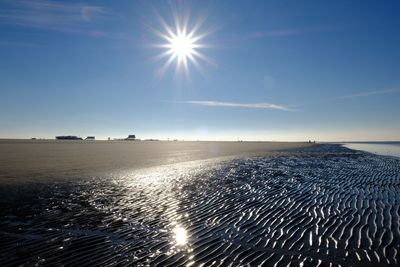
51 15
381 92
241 105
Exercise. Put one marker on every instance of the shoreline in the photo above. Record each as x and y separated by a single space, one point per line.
390 149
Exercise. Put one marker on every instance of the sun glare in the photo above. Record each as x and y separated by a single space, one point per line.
180 236
182 44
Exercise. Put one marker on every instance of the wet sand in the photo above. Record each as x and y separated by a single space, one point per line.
318 206
36 160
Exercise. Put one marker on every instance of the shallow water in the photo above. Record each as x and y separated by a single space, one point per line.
380 148
321 206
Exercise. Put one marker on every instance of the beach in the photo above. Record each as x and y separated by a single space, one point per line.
43 160
322 205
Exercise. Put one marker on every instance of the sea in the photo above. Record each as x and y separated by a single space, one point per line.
381 148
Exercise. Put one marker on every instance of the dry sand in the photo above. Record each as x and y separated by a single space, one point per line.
25 160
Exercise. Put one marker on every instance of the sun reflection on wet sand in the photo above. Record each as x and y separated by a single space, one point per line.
159 192
180 236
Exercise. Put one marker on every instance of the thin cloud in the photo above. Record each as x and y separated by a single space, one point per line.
241 105
381 92
50 15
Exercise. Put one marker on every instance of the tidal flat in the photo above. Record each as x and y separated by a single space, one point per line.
53 160
324 205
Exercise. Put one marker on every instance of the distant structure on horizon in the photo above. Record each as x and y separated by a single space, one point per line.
131 137
68 137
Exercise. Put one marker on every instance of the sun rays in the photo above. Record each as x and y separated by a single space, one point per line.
181 44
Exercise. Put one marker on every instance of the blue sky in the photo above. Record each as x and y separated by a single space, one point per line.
274 70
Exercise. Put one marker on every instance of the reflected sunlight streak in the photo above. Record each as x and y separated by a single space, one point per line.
180 236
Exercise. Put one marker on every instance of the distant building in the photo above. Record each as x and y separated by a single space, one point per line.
90 138
68 137
131 137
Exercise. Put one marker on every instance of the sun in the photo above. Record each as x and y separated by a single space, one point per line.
181 45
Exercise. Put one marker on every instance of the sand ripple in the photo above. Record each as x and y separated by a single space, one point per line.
325 206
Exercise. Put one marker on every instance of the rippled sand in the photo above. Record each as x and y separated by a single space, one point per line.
322 206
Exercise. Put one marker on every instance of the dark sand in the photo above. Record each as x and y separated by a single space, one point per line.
318 206
27 160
